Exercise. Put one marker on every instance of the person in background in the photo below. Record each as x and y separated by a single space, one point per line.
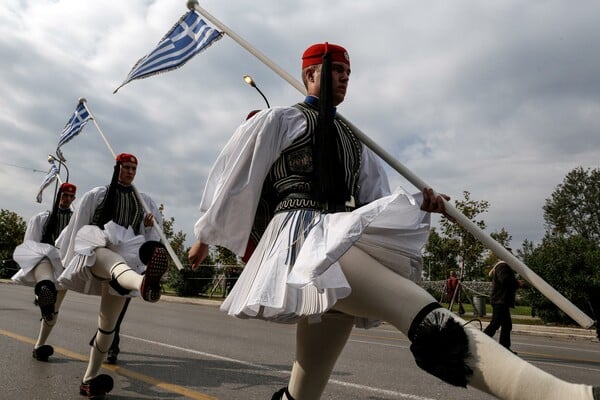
502 299
113 253
41 266
453 292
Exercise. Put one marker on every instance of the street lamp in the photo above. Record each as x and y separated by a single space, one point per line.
52 157
251 82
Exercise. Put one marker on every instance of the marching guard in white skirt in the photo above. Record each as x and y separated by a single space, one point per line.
114 253
41 266
334 248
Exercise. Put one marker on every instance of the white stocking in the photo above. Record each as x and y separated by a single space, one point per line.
379 293
110 308
44 271
318 345
110 264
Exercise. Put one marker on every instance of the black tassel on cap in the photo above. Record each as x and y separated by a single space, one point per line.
50 225
109 202
330 181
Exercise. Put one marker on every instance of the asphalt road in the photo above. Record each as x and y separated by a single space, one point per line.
173 350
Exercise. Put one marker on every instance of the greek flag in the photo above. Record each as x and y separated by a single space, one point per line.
76 123
50 177
188 37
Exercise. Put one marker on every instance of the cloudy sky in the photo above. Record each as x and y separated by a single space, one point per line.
498 98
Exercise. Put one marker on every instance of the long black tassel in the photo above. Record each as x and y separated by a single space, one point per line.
330 182
110 200
50 225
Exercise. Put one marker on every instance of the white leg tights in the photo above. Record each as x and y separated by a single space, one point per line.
110 264
110 308
44 271
379 293
318 345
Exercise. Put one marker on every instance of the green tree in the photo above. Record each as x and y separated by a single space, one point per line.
455 243
225 257
12 230
185 282
574 206
502 237
570 265
176 239
440 256
457 249
569 256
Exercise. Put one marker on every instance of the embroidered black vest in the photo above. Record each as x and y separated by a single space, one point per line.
62 220
292 174
127 209
288 185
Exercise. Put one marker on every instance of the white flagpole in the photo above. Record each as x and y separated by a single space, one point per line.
137 193
552 294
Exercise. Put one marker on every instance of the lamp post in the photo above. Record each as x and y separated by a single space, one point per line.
52 157
251 82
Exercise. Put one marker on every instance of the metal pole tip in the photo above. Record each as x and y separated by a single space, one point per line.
191 4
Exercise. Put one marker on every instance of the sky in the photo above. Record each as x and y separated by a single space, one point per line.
497 98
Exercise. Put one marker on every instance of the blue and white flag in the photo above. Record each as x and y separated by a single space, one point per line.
76 123
188 37
50 177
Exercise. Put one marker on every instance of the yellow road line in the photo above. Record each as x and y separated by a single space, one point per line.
192 394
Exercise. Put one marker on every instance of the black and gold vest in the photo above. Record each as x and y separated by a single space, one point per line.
292 175
63 216
127 210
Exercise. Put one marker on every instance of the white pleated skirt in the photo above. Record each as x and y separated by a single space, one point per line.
294 271
78 275
28 255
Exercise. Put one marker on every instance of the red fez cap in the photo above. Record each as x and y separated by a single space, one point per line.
251 114
314 54
68 188
126 157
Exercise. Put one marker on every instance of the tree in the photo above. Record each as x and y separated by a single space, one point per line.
12 230
225 257
574 206
502 237
185 282
176 239
455 243
440 256
569 256
570 265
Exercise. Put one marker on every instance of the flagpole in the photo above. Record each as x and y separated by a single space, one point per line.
137 193
552 294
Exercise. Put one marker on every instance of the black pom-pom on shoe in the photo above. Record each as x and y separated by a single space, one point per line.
96 387
42 353
440 346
